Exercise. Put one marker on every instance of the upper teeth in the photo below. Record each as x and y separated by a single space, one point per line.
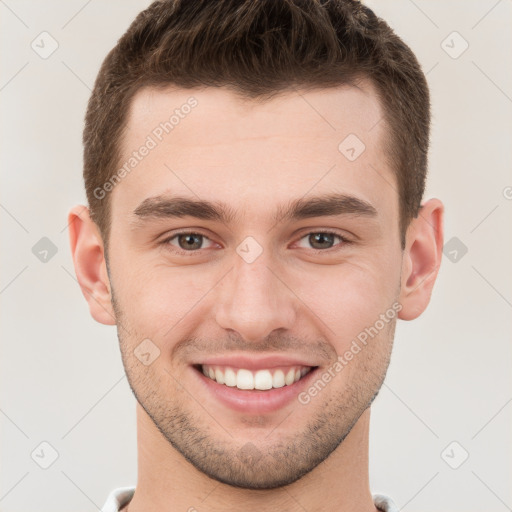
261 379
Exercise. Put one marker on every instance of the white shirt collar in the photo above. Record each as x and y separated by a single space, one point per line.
119 497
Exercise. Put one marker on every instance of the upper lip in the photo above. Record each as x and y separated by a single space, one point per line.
256 362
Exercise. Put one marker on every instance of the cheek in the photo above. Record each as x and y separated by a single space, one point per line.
349 298
158 299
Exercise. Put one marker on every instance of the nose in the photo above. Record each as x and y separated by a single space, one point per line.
254 300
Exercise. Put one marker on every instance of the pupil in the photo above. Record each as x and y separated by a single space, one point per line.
322 238
190 241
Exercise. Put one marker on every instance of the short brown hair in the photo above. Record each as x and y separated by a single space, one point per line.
258 49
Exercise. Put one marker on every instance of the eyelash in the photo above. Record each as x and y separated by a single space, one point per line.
344 241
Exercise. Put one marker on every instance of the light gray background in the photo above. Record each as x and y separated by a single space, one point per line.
62 381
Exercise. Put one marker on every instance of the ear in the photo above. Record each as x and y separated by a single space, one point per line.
90 265
421 259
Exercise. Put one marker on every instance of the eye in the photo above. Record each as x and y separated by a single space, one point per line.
322 240
187 241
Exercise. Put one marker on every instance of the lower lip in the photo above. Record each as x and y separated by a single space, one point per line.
255 401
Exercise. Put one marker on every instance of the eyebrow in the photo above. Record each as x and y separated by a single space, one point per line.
159 207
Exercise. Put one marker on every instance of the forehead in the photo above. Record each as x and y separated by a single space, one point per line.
211 144
219 114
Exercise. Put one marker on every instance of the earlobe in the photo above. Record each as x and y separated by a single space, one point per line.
422 259
90 266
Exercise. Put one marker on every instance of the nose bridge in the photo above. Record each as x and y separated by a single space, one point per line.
253 301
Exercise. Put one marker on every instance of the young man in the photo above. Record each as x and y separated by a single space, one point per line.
255 173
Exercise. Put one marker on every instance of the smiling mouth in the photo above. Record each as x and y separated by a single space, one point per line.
262 380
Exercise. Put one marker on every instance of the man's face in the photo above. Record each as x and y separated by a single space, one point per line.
256 283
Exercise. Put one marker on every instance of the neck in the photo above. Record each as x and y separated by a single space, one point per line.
168 482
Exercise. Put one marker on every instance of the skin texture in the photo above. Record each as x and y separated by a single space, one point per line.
292 300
